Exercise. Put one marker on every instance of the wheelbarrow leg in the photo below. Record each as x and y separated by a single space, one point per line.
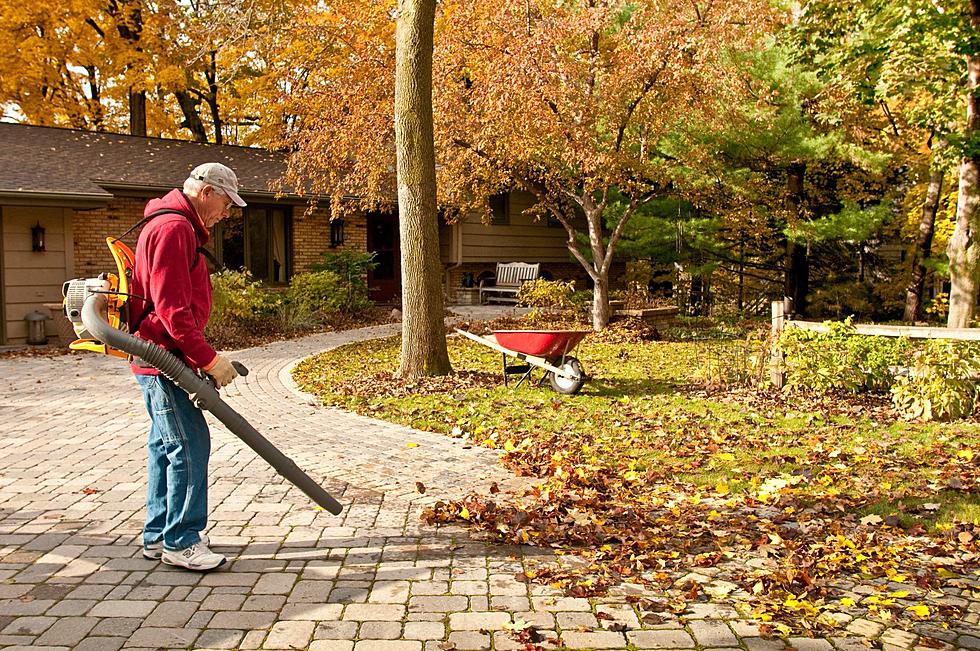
526 376
503 359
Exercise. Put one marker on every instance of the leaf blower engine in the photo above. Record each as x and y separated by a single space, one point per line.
99 312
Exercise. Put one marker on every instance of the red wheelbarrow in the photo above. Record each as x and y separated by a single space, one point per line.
544 349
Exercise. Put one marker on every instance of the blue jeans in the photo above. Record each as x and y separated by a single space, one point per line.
177 465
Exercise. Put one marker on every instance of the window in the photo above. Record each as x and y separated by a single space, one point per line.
336 233
258 241
500 209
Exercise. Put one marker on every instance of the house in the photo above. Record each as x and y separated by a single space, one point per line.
73 188
77 187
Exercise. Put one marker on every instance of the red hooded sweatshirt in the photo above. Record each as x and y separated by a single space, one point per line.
180 295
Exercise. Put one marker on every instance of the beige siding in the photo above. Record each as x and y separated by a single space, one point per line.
30 278
525 239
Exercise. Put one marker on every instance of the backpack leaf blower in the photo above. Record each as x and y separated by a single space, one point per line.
97 308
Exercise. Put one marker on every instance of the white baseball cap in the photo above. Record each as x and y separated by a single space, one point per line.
221 177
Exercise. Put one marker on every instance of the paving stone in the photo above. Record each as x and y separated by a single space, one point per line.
223 602
760 644
114 608
310 591
387 645
335 630
711 633
171 614
470 641
389 592
374 612
380 630
245 620
264 602
654 639
809 644
69 607
312 612
865 628
331 645
152 637
575 620
216 638
475 621
430 587
117 626
594 639
100 644
899 638
274 583
289 635
560 603
437 604
67 631
29 625
968 642
424 631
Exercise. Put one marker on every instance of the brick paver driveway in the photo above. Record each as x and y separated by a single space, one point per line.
72 431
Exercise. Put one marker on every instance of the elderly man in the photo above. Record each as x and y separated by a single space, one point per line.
170 306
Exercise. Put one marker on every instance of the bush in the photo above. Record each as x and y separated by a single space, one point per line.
237 300
351 269
546 294
840 360
317 292
940 385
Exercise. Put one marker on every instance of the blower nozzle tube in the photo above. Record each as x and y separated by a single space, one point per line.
204 394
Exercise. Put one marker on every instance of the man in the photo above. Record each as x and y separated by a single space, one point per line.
170 306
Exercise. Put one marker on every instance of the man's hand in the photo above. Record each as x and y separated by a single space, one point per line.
221 371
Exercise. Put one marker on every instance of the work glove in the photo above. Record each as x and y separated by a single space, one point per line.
221 371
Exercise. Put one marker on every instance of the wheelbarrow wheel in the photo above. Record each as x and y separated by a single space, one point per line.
566 385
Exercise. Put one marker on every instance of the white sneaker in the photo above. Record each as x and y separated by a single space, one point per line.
154 551
196 557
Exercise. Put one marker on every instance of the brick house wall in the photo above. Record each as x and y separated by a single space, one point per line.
311 236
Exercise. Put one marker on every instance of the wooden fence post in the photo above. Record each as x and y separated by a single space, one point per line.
775 356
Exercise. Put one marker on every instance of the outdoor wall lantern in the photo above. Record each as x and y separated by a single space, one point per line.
336 233
37 237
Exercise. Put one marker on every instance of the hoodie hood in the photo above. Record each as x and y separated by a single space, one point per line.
178 202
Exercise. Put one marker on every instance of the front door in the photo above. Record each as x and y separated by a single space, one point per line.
385 280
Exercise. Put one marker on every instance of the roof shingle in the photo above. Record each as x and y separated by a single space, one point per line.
66 161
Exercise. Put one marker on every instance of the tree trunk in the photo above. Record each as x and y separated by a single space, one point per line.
797 279
192 120
963 249
137 112
923 246
424 351
601 313
212 99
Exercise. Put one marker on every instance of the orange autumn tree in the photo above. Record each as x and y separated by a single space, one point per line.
575 102
168 68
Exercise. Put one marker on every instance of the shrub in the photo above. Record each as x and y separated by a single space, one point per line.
351 269
237 299
940 385
840 360
546 294
317 292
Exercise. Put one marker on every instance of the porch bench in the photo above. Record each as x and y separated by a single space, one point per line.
509 278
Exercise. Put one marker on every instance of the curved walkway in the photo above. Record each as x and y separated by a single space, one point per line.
71 499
